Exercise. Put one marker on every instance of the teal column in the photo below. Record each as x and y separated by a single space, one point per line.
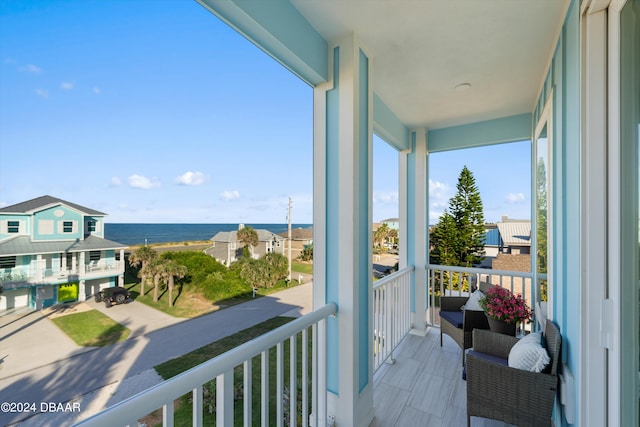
342 227
417 196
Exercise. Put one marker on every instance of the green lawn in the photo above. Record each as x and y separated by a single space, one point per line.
183 413
91 328
188 304
302 267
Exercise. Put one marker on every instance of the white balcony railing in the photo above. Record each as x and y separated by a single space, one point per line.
391 314
446 280
311 395
32 274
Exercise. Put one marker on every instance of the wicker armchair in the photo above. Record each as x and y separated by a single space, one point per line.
514 396
458 324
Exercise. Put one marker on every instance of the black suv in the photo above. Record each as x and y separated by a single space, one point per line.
115 295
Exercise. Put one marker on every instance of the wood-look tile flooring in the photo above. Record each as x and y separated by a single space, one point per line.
424 386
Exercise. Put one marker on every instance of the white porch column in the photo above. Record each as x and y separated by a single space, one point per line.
342 230
414 178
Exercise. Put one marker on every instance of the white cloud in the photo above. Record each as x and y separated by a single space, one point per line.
115 182
42 93
31 69
66 85
142 182
514 198
439 195
229 195
385 197
191 178
97 90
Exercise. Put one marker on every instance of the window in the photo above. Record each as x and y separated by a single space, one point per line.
7 262
94 256
13 226
91 226
67 226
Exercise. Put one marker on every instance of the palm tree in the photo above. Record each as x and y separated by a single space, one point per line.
142 257
248 237
380 235
173 270
157 270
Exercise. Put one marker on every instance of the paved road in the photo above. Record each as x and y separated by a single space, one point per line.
69 372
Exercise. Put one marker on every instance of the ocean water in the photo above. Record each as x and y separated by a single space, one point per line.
137 234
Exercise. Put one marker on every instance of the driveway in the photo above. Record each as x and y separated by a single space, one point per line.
29 340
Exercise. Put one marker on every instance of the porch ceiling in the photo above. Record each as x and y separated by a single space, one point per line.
423 49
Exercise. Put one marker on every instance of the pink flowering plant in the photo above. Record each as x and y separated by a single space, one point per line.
500 304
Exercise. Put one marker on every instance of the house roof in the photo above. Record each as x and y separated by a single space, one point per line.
22 245
515 233
299 233
43 202
232 236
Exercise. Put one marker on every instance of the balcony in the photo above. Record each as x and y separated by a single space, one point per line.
416 382
20 275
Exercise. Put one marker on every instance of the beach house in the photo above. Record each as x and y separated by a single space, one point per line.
226 248
53 251
427 77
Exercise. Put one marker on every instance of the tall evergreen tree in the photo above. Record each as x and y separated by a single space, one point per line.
458 239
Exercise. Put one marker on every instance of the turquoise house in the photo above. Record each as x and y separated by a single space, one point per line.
433 76
53 251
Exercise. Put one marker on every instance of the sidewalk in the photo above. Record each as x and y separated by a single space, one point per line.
127 368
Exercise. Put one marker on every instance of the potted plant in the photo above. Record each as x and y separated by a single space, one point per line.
504 310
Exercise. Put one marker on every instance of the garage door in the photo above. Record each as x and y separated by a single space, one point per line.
14 299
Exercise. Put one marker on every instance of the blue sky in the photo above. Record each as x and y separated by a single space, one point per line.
155 111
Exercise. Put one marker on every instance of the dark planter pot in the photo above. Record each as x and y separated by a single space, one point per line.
502 327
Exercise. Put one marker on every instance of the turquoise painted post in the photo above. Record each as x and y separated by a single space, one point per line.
342 222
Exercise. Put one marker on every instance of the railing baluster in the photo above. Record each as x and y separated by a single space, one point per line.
247 384
315 386
167 414
197 406
279 384
224 399
322 372
389 333
264 395
293 386
305 377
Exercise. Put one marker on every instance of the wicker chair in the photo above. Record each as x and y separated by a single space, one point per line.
458 324
514 396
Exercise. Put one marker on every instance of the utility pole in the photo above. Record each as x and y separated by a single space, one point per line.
289 237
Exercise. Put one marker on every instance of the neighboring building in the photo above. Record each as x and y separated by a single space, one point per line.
508 245
300 238
226 248
515 235
392 223
54 251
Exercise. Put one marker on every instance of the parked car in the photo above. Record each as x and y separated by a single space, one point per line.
115 295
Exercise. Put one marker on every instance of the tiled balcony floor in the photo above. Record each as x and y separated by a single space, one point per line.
424 386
